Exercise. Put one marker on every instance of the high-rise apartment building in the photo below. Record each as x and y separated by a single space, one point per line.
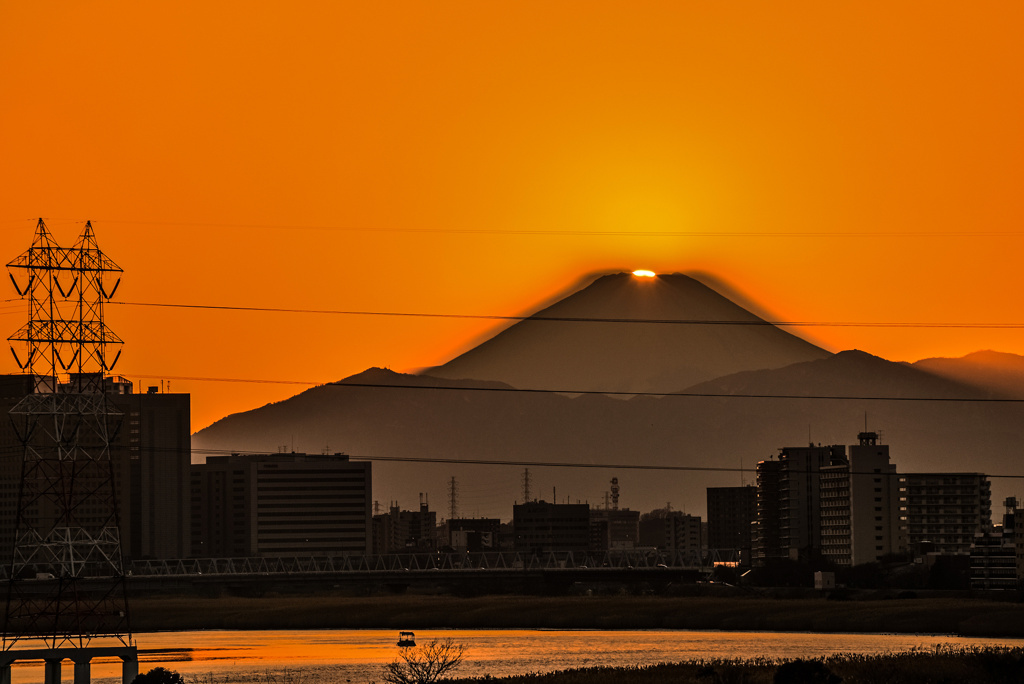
732 512
829 501
789 502
942 511
860 505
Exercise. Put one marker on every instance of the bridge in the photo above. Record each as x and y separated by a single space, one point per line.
453 572
428 562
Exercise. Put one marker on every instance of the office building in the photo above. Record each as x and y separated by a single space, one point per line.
542 527
150 451
474 534
613 529
280 505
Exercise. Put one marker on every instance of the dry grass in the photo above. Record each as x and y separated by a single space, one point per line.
932 666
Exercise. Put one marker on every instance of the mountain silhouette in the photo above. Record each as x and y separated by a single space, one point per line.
997 372
726 423
624 333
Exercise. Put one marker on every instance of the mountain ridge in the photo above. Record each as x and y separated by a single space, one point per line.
626 333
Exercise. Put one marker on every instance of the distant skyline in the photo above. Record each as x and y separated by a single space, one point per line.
831 164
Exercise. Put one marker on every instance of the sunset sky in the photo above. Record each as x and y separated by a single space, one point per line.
833 162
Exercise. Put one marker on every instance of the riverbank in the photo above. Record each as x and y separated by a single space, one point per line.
961 616
963 666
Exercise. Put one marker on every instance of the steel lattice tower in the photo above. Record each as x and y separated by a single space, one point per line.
66 574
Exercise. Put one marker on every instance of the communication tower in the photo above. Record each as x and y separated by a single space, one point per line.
67 583
453 499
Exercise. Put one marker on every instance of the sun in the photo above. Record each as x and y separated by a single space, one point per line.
644 274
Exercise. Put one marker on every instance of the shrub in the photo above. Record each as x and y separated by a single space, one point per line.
159 675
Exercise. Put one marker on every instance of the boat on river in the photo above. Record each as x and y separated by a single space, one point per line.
406 639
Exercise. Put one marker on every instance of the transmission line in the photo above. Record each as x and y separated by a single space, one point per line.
557 232
576 319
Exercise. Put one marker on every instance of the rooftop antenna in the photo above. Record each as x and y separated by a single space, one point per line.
526 485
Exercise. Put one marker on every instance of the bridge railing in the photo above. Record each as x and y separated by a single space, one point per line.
419 561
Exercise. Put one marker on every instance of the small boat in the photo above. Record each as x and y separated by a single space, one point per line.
406 639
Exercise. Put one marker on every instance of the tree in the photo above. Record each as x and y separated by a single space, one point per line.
425 664
159 675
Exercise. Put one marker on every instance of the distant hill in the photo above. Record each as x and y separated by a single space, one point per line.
693 334
997 372
388 415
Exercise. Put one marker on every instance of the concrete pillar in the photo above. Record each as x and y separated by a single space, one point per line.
129 668
51 671
83 670
5 673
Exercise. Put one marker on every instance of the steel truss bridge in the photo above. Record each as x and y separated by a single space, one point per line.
429 561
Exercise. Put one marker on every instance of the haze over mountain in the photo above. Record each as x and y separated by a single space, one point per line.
930 422
692 334
997 372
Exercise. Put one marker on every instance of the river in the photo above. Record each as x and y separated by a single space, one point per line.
356 656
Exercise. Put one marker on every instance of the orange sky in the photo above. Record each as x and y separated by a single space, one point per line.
466 157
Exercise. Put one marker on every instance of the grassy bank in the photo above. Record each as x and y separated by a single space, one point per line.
962 666
967 617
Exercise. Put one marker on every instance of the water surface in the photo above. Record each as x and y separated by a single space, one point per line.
356 656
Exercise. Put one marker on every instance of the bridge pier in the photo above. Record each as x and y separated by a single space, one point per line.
129 667
83 669
81 657
51 671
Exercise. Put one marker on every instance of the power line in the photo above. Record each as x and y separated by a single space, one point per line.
447 460
578 319
622 393
519 463
712 395
555 232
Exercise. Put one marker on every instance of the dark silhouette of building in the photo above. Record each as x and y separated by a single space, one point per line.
860 505
672 531
789 501
400 531
474 534
542 527
945 510
280 505
732 512
150 451
614 529
994 553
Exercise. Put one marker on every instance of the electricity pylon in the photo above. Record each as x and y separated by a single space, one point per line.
66 574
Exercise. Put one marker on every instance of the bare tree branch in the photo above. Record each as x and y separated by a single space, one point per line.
425 664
